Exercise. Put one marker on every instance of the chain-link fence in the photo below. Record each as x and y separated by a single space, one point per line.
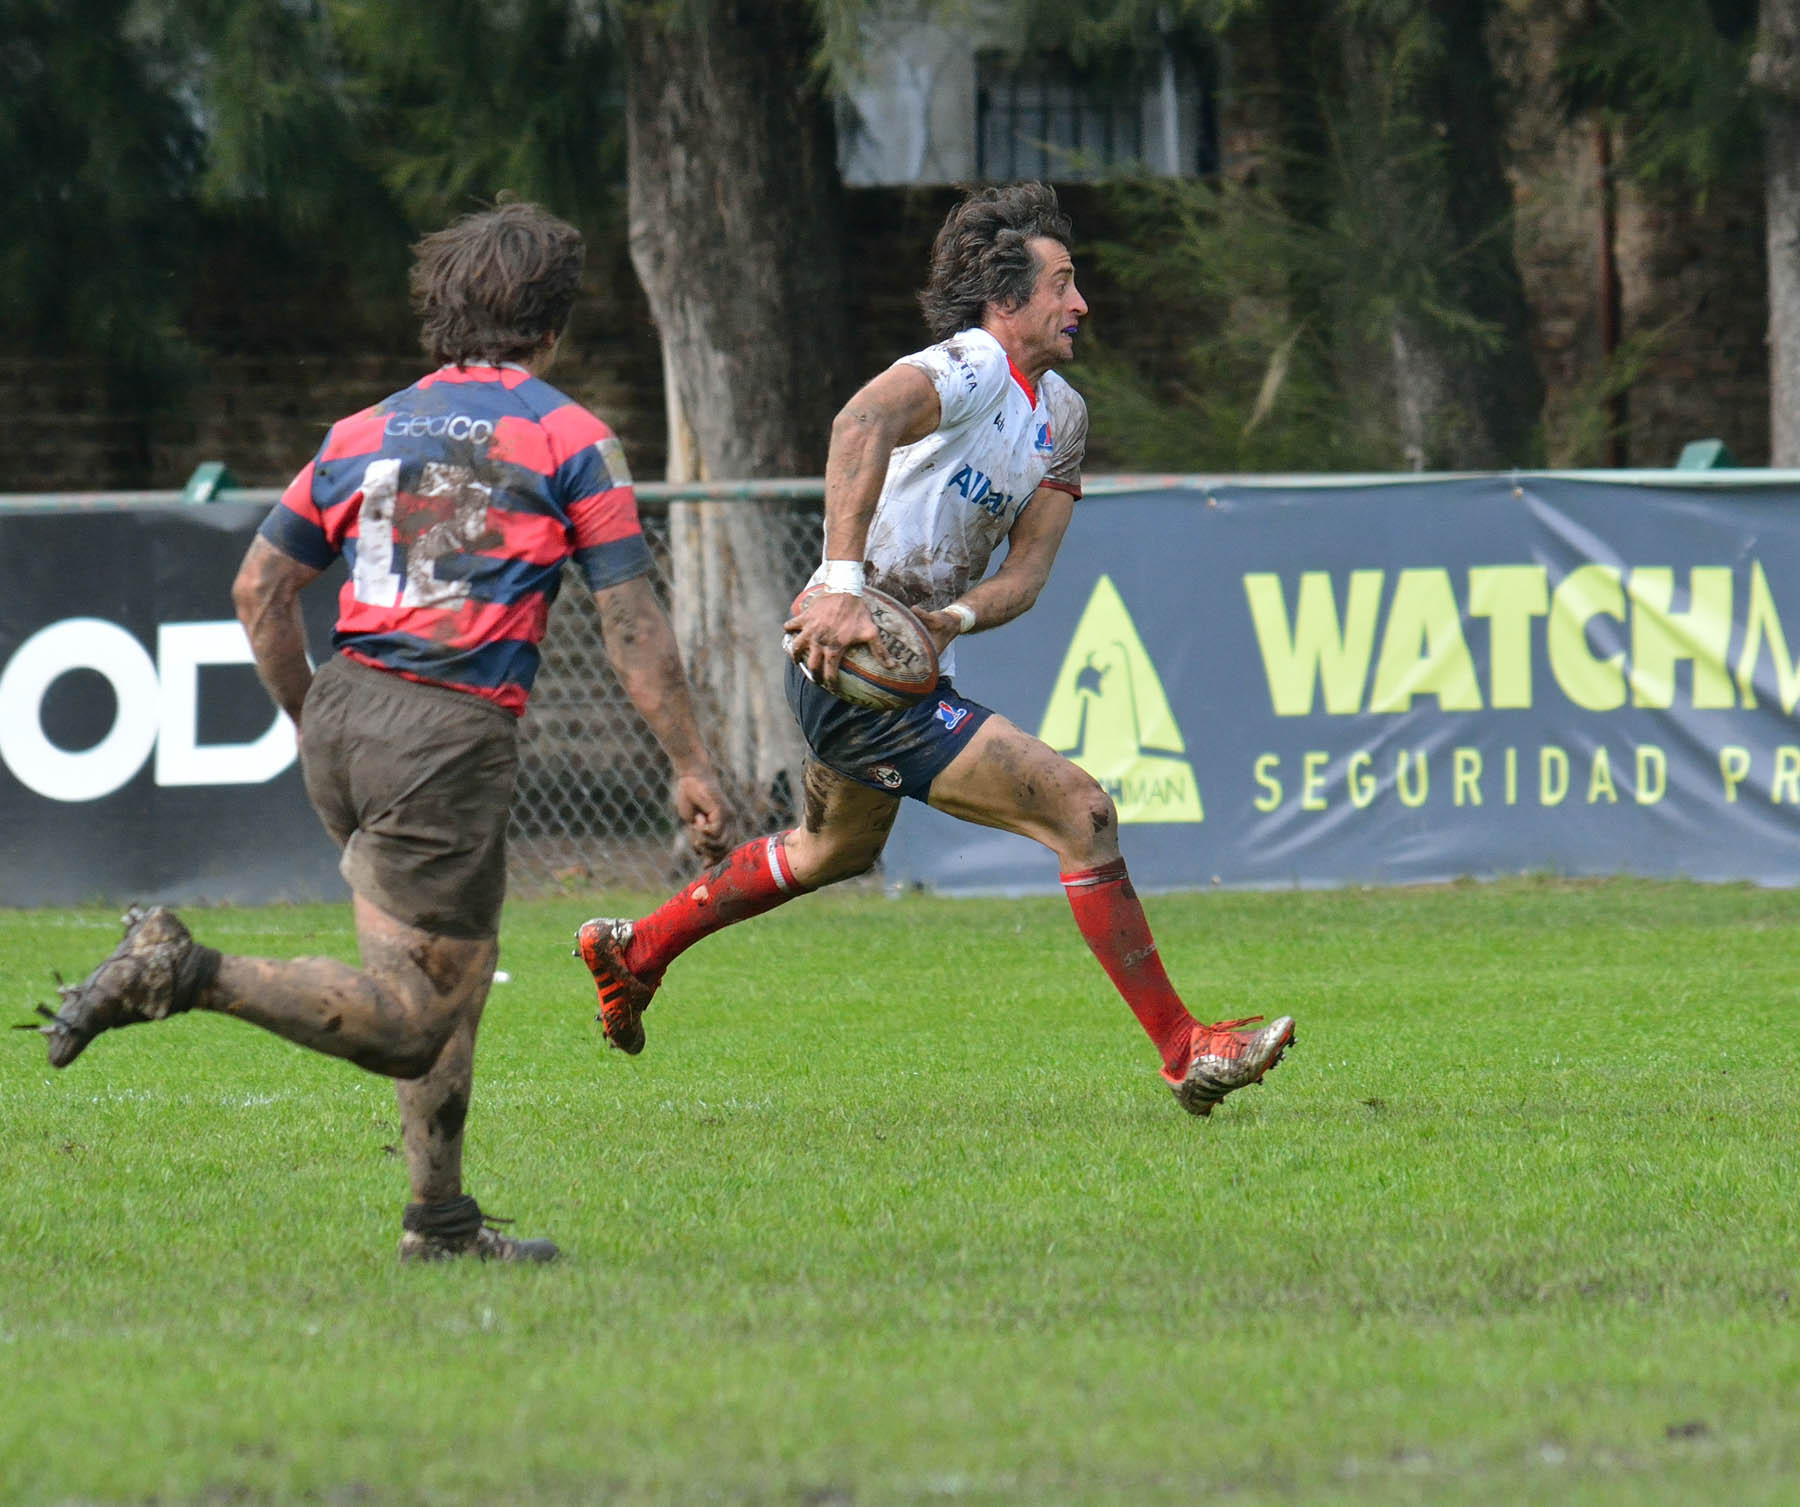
592 808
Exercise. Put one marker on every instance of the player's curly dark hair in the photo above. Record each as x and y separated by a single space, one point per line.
981 257
491 285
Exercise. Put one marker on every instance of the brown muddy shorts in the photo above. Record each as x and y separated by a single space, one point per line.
414 783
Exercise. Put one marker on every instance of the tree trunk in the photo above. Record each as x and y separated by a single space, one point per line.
736 230
1461 402
1775 69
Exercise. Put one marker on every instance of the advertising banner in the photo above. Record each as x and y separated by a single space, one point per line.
1280 684
1401 682
140 758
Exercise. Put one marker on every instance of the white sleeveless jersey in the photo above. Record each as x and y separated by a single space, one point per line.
951 497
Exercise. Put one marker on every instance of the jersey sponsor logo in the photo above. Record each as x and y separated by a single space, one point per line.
980 491
951 716
438 426
1044 442
1110 715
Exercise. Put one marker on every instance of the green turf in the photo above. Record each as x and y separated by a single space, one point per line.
894 1209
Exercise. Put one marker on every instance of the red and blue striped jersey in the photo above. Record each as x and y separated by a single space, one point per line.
455 504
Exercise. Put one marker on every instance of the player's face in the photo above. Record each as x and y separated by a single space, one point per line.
1050 319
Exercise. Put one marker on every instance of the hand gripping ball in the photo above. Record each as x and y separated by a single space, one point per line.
863 680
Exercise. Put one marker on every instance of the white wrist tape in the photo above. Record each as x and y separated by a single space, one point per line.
844 576
964 615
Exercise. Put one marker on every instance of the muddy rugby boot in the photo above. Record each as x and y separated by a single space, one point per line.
1227 1057
156 971
457 1228
601 944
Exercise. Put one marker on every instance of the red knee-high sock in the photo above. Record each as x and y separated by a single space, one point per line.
748 881
1111 919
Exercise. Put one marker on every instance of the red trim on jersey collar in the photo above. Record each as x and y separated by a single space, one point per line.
509 374
1019 377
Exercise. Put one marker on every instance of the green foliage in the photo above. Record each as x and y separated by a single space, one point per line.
1674 72
1115 32
1246 384
1092 29
915 1220
1387 226
326 133
99 155
1290 280
477 97
279 131
1281 319
320 109
1587 419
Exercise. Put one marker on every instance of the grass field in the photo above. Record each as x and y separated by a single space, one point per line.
894 1209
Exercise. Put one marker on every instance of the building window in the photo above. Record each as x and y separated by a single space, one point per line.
1043 117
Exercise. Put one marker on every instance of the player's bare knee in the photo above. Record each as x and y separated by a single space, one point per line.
411 1059
831 864
415 1050
1089 820
414 1023
840 848
852 868
414 1065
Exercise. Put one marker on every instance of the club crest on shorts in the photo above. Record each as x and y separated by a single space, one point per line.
885 774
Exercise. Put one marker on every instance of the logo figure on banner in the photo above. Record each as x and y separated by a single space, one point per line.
1109 714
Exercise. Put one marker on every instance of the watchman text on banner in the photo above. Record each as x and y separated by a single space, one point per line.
1412 681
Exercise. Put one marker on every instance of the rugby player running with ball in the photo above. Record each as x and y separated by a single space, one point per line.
951 450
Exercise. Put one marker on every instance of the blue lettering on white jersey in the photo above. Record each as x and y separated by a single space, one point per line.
950 498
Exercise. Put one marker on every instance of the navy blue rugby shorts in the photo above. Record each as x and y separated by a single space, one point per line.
898 752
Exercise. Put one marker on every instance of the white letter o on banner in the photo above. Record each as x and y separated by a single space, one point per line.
78 643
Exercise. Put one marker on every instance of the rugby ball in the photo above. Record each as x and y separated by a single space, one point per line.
863 680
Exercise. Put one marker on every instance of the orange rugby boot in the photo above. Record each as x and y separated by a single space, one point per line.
601 944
